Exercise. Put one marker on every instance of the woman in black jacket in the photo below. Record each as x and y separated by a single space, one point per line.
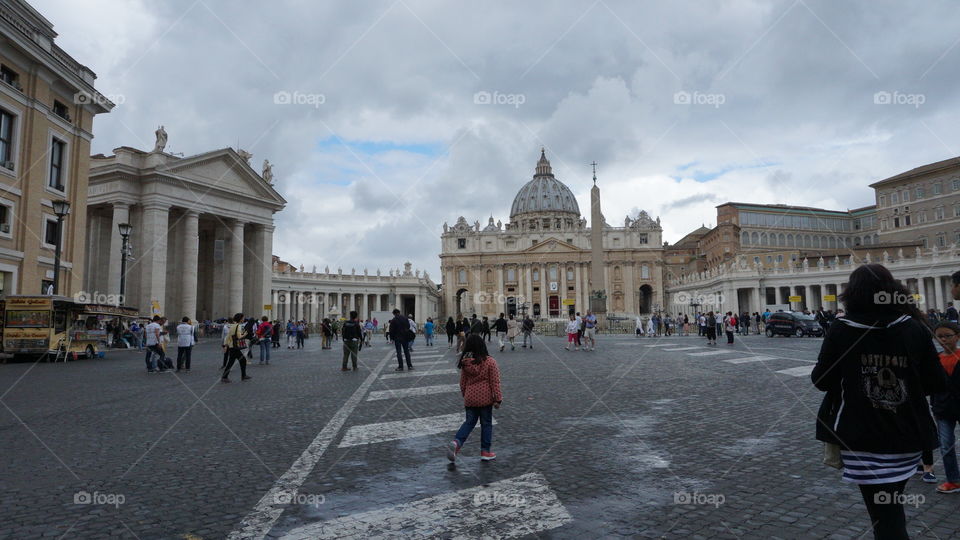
876 365
451 328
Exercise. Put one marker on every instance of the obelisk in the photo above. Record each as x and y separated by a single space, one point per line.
598 302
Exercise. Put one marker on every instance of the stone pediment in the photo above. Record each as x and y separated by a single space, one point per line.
224 170
552 245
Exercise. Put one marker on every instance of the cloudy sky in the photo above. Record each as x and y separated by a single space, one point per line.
404 114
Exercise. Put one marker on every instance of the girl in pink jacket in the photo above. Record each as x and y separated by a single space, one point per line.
480 386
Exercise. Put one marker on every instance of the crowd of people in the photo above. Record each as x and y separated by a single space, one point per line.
506 328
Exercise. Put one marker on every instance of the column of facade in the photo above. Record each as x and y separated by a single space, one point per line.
938 293
266 262
528 287
153 258
190 260
236 267
629 287
755 300
477 284
499 299
544 285
121 214
578 287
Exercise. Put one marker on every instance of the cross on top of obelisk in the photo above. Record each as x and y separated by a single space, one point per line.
594 164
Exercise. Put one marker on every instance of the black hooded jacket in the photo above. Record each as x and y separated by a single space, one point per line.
876 369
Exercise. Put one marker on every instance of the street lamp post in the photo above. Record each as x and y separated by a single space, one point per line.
62 209
125 230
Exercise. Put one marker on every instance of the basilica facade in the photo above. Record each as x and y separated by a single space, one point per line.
546 261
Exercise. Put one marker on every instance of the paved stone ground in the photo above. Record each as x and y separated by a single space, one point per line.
631 440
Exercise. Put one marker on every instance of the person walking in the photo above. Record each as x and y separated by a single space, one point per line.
291 334
185 343
729 326
638 330
276 334
651 327
413 332
400 334
153 347
352 336
711 328
428 332
451 329
513 330
485 329
368 330
480 388
875 366
500 327
301 333
527 329
590 330
572 328
234 343
946 406
265 337
579 336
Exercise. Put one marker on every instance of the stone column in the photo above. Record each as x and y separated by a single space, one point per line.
121 214
152 260
499 304
188 269
528 287
236 267
938 293
266 263
364 307
578 286
755 300
544 285
477 287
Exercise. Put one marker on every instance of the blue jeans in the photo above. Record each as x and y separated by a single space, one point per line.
429 339
948 450
150 360
265 346
403 350
485 415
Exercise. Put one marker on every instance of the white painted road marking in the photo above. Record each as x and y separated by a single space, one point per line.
520 506
259 522
682 349
749 359
797 371
402 429
414 374
411 392
710 353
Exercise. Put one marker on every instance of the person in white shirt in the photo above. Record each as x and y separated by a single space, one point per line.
639 329
185 343
413 328
572 328
153 347
224 331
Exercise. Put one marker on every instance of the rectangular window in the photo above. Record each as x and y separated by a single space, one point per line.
489 244
61 110
938 212
52 233
883 201
643 238
511 274
6 213
941 240
955 184
937 188
906 220
569 240
461 243
894 198
756 260
569 274
462 276
956 211
922 217
920 193
9 76
6 139
553 273
896 222
779 258
56 164
536 275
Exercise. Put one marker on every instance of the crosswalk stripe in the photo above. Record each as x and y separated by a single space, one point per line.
659 345
682 349
749 359
402 429
800 371
710 353
520 506
414 374
411 392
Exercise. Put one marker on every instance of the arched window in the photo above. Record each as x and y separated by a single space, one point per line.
616 274
791 241
489 276
745 238
754 239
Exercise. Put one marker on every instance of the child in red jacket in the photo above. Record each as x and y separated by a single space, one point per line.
480 386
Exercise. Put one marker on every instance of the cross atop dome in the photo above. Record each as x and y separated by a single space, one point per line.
543 166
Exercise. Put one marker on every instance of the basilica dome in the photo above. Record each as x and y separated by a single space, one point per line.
544 194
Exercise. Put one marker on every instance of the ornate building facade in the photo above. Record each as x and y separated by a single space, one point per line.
47 106
202 237
540 261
